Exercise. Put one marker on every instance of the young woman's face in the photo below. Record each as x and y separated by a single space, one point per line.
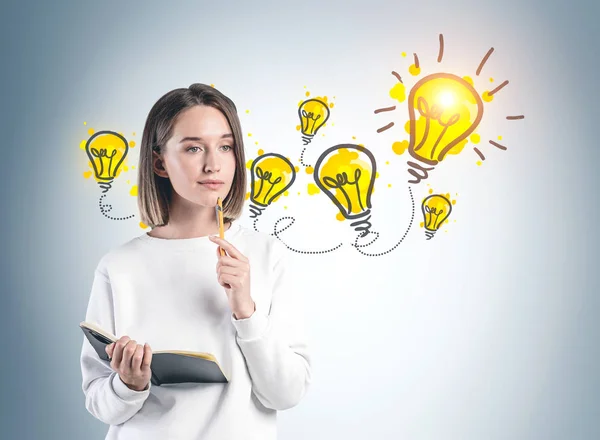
199 158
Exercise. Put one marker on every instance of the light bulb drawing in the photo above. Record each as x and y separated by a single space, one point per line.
106 151
271 175
444 111
448 109
313 114
436 209
346 173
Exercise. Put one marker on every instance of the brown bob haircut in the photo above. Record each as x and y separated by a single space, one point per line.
154 191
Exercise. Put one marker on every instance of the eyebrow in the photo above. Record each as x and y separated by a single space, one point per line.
199 139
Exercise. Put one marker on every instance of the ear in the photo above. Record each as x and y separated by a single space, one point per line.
158 165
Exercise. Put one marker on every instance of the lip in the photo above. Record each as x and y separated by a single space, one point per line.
211 184
210 181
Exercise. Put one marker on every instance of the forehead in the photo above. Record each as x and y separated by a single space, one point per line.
201 121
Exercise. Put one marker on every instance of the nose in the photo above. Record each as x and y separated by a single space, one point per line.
211 165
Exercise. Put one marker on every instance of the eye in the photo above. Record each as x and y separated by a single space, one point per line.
227 147
193 148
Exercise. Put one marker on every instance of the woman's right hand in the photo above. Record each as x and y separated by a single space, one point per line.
132 361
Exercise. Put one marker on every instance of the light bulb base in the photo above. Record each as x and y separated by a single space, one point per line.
105 185
363 226
255 211
429 234
307 138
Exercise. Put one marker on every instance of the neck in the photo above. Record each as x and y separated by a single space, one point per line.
188 221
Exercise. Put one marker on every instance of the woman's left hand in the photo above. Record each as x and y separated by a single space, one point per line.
233 273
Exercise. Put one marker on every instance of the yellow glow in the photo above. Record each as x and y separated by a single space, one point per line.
106 151
272 174
347 176
436 210
444 110
313 114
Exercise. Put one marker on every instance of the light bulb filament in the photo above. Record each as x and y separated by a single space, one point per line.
310 116
341 179
435 113
432 211
100 154
265 175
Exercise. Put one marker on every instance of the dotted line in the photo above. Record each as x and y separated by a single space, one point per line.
302 158
108 209
276 233
412 217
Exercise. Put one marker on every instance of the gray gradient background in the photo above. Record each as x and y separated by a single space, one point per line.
510 351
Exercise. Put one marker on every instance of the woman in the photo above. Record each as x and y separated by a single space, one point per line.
171 288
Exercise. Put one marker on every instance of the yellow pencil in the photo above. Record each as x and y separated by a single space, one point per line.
220 223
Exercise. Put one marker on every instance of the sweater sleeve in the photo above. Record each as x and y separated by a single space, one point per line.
106 397
274 344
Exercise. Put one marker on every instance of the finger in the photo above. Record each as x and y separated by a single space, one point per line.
230 261
136 359
147 360
228 270
118 351
127 356
229 281
229 248
109 349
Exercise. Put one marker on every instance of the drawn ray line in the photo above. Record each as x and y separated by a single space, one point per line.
479 153
497 145
441 52
514 118
398 77
384 128
416 60
485 58
385 109
497 89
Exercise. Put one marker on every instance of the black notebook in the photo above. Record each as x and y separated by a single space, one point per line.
168 366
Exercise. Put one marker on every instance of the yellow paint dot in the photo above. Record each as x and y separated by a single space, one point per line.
260 151
398 92
468 79
361 145
143 225
297 127
430 190
82 145
389 185
133 167
247 111
132 144
286 193
454 202
353 137
491 80
487 97
309 170
133 134
313 189
247 195
298 192
285 207
307 93
87 174
128 182
499 138
475 138
339 216
332 124
249 134
414 70
256 143
407 127
134 190
331 105
212 85
422 224
479 163
91 131
377 174
387 162
403 54
399 147
84 123
249 164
